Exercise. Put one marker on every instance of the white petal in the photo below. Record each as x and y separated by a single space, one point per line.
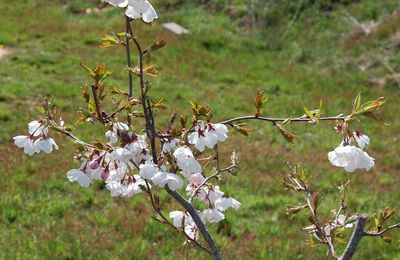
150 15
148 170
131 12
80 177
174 181
213 215
20 140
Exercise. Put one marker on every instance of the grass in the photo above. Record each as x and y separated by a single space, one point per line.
42 215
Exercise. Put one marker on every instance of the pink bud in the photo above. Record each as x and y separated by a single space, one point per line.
93 165
105 174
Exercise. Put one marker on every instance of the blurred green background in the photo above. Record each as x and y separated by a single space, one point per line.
298 51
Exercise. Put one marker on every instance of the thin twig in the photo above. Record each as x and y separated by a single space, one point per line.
214 175
128 57
380 233
97 103
70 135
276 120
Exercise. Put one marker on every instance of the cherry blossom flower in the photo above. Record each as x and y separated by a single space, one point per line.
202 137
127 187
27 143
362 140
220 130
116 171
80 177
195 180
45 144
121 154
192 231
186 161
351 158
141 8
180 218
207 135
169 145
37 128
136 9
148 170
113 134
214 194
223 204
173 181
213 215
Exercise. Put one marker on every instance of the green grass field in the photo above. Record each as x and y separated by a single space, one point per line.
221 62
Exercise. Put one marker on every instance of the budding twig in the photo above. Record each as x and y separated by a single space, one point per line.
276 120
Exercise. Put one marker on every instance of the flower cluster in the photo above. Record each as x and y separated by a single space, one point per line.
114 166
352 157
37 140
129 169
136 9
207 135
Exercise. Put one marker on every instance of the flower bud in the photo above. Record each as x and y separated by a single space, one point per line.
93 165
105 174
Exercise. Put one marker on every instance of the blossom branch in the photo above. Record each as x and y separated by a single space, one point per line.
70 135
150 129
276 120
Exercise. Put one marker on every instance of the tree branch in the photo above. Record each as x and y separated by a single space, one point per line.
358 233
276 120
199 223
150 129
97 103
375 234
128 56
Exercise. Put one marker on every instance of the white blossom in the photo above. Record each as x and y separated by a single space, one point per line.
220 130
214 194
362 140
223 204
351 158
113 134
148 170
121 154
141 8
37 128
173 181
202 137
80 177
127 187
192 231
45 144
180 218
186 161
169 145
213 215
195 180
26 142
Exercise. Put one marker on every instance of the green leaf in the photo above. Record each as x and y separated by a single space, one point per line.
242 130
357 102
286 134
